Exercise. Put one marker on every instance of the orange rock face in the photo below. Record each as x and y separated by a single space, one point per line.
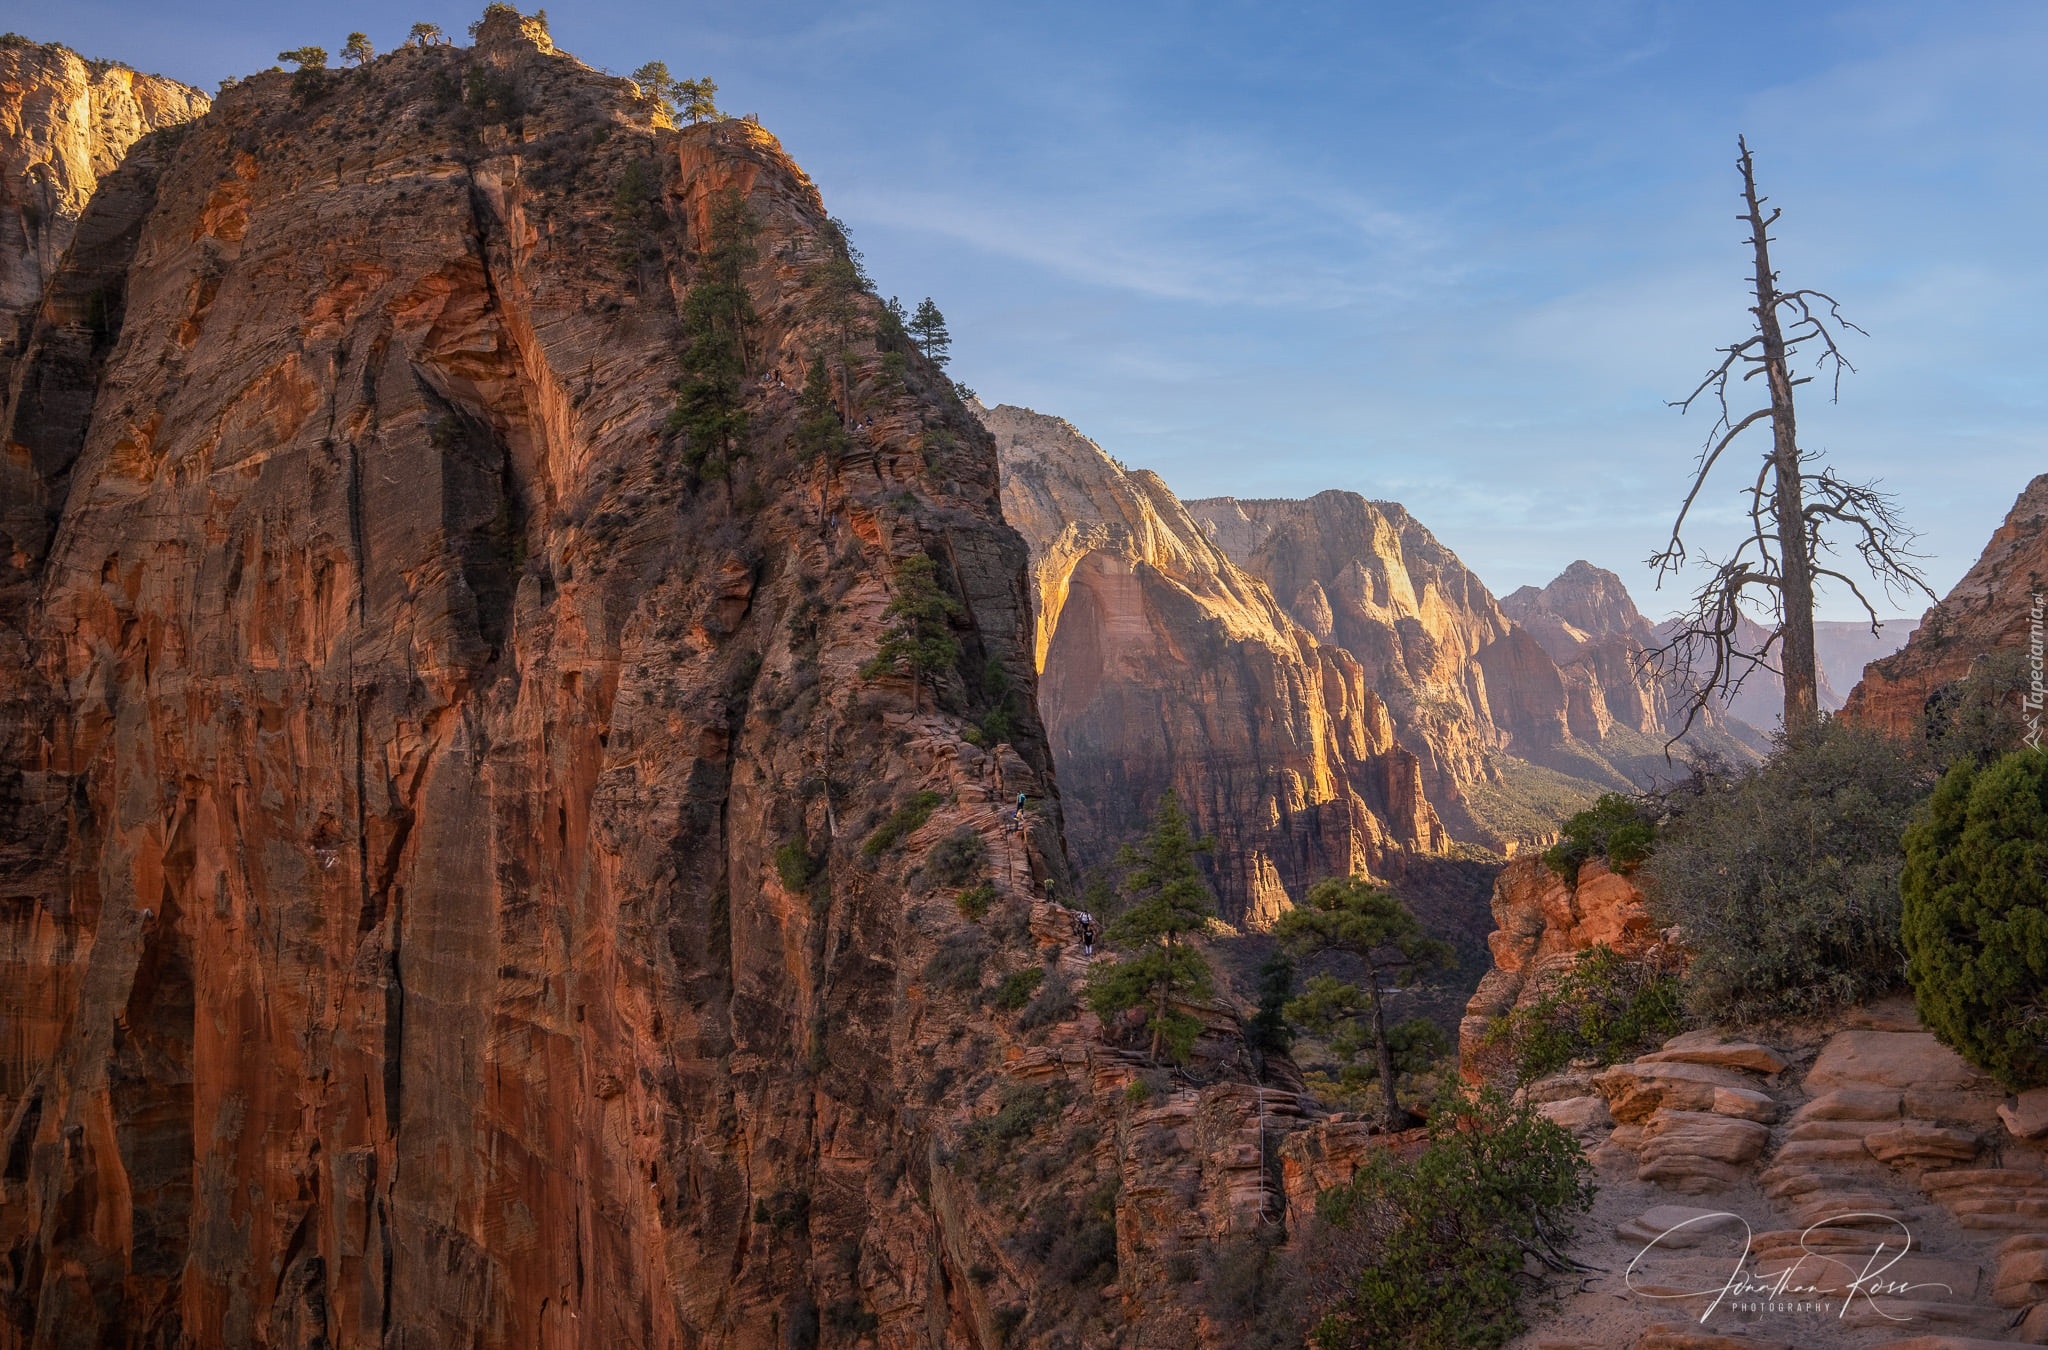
1541 924
1166 665
1996 608
398 742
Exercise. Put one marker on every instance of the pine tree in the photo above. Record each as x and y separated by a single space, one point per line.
1350 914
929 327
426 35
919 638
698 99
358 49
1168 903
718 317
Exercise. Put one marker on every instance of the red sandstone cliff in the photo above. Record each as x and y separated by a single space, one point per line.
1165 665
1994 610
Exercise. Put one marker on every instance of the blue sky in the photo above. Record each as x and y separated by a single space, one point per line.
1455 254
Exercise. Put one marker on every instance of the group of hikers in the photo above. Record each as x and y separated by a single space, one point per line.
1084 922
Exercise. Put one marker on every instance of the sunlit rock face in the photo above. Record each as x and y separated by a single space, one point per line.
1995 612
64 124
1165 665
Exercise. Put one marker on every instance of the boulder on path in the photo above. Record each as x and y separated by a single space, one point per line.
2027 1116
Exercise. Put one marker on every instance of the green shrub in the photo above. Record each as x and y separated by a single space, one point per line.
958 858
1054 1002
1975 895
1430 1251
1784 880
1021 1108
1418 1047
974 902
904 820
1015 989
795 863
1617 828
1606 1008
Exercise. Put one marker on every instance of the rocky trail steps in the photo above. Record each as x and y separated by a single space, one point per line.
1862 1187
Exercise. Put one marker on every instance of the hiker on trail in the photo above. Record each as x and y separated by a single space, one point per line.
1087 933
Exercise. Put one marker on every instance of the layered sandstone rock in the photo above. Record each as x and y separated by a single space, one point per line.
1166 665
1993 614
65 123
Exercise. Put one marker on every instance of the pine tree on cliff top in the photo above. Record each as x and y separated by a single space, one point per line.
928 326
1169 903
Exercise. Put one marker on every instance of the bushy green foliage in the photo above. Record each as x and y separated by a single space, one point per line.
1617 828
357 50
1418 1047
1784 880
309 81
1353 916
904 820
1978 717
928 326
1606 1008
693 100
1168 903
1014 990
795 863
975 901
958 858
1975 895
710 412
919 639
1429 1252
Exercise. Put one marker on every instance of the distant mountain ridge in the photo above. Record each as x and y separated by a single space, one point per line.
1183 643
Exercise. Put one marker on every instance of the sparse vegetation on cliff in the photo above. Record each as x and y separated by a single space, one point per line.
1619 828
718 321
1975 896
919 640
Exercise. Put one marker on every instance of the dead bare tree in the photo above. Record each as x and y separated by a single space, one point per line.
1794 504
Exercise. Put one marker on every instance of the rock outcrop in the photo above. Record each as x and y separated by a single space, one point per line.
1541 924
1166 665
1995 613
65 123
